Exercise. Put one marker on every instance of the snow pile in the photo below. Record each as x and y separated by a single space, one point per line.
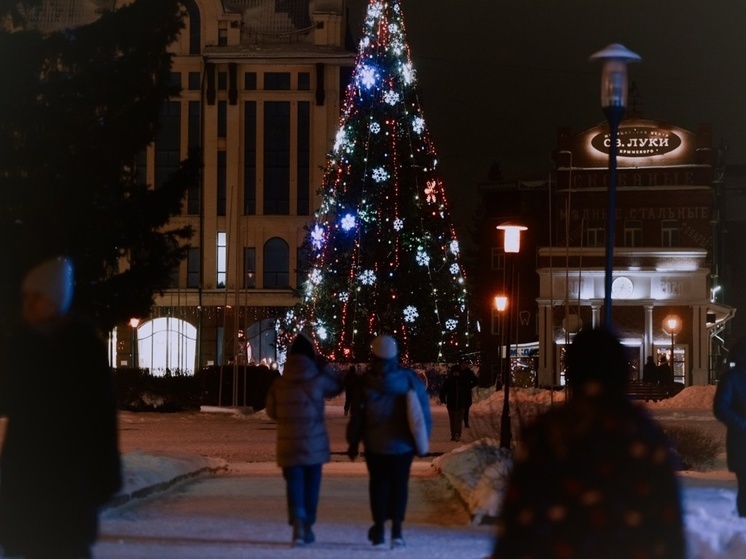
691 397
528 400
525 405
478 472
714 530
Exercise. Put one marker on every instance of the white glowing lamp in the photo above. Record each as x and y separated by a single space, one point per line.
512 237
501 303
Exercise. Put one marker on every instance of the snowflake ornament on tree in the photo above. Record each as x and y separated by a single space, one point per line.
391 97
380 174
410 314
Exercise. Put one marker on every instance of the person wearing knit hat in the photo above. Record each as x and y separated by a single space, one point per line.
378 418
58 397
47 290
296 402
384 347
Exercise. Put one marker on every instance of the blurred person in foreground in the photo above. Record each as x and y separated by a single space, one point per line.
378 417
595 477
729 406
296 402
60 459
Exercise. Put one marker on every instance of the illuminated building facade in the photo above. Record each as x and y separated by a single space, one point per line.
262 82
666 250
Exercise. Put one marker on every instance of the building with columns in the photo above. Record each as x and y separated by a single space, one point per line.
664 291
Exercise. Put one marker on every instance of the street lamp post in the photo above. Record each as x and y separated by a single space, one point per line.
672 326
613 102
134 323
511 244
501 303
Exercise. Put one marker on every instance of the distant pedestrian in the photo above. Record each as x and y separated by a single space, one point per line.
650 371
594 477
471 381
729 407
351 380
455 393
665 372
60 458
379 418
296 402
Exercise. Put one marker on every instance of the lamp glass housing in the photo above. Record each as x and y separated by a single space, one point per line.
614 74
614 83
512 239
672 324
501 303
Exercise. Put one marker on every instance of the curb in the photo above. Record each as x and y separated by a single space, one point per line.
146 474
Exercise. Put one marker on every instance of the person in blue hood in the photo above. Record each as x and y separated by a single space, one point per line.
296 402
378 418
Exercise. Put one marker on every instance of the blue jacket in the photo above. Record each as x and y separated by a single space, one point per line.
729 406
384 390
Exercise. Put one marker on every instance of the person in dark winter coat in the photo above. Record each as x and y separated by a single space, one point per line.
471 382
729 406
665 372
378 417
296 402
650 371
60 458
351 381
455 393
594 477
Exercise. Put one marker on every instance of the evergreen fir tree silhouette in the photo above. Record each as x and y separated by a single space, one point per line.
382 253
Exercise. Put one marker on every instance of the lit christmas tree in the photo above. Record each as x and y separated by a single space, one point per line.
383 254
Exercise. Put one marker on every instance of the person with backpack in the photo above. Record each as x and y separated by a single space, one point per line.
379 419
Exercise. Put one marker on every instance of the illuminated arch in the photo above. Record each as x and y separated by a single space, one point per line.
167 344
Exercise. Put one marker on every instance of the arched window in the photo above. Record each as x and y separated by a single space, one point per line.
194 26
276 264
167 345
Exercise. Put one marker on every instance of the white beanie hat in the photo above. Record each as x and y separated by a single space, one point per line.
384 347
53 279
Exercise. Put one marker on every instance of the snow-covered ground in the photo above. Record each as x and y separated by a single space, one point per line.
474 468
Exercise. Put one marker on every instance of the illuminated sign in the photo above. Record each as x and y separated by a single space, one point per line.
639 141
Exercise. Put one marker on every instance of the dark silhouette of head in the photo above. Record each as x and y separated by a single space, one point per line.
737 352
302 345
596 357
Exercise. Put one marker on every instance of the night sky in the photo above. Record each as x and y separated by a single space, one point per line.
498 77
